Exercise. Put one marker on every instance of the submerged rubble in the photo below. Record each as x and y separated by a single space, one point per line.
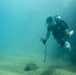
31 66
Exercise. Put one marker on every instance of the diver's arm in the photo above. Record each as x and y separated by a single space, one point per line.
47 35
48 32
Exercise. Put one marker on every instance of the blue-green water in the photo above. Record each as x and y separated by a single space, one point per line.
23 21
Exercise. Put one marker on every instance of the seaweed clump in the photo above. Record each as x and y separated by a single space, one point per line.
31 66
47 72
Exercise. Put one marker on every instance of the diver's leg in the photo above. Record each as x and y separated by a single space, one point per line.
71 33
67 45
61 42
68 34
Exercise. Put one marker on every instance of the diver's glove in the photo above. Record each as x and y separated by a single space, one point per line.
44 41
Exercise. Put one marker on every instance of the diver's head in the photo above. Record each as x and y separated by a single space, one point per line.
50 21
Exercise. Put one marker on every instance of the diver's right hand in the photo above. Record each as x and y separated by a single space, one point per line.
44 41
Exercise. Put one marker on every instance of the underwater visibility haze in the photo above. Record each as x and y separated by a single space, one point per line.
22 23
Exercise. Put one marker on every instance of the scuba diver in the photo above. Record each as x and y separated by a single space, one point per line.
59 30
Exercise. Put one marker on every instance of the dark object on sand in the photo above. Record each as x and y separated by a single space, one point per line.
30 67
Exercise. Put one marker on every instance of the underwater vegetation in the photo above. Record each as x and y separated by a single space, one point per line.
55 70
48 72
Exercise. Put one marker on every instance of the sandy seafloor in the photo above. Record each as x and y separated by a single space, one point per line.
14 65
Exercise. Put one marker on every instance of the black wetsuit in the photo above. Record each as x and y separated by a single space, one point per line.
58 30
